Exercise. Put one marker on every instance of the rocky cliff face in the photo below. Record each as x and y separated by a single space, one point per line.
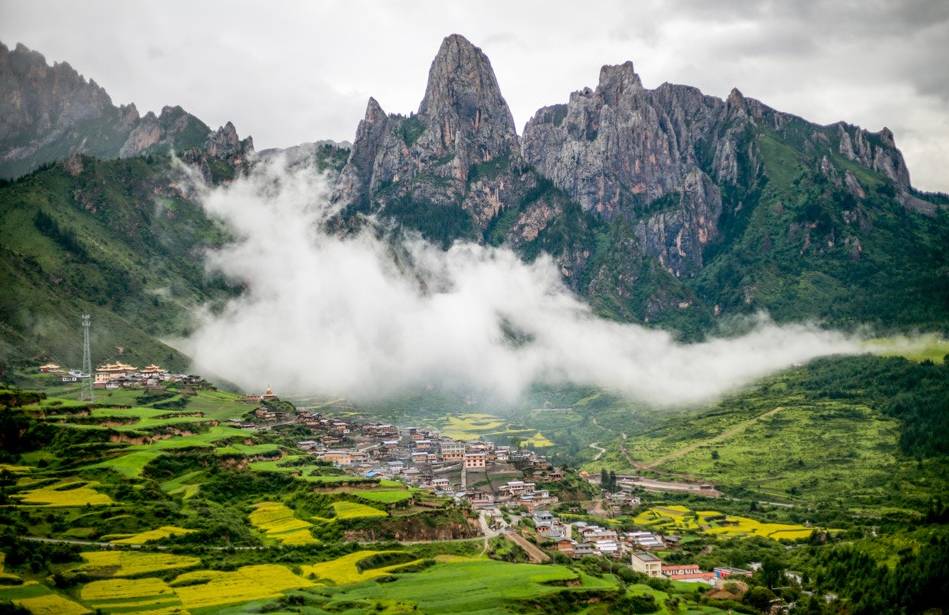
49 113
459 150
631 190
622 150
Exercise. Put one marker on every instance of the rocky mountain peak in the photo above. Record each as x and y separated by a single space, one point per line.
50 112
225 143
463 103
374 111
618 81
434 156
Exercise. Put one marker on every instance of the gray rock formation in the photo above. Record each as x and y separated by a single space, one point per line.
50 113
460 149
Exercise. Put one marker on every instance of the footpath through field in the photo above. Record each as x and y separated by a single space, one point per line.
725 435
536 555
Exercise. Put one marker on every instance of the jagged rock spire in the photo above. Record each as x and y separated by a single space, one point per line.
464 106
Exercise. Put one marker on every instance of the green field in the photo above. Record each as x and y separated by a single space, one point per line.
477 586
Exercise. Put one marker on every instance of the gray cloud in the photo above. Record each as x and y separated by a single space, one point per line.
298 71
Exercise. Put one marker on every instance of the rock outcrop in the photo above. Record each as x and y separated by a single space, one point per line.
50 113
459 150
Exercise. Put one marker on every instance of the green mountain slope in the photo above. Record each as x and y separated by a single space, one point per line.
114 239
805 248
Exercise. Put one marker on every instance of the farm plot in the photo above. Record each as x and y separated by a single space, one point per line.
538 440
681 518
475 586
129 465
198 440
207 588
41 600
344 570
382 496
133 563
64 494
354 510
279 522
157 534
186 485
130 595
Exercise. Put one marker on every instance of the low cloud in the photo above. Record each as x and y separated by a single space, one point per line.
360 318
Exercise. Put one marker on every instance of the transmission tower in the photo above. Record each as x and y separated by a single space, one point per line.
86 392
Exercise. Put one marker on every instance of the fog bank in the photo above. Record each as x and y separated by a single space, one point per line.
328 316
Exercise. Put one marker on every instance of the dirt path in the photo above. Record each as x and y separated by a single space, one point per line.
626 455
600 450
536 555
725 435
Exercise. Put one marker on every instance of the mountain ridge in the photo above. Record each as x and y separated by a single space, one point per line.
50 112
665 206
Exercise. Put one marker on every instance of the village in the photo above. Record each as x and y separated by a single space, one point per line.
118 375
511 489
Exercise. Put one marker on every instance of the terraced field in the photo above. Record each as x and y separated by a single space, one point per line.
64 494
474 426
133 563
681 518
208 588
382 496
355 510
279 522
40 600
130 595
476 586
157 534
343 571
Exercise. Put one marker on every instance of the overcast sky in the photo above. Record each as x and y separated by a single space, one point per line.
294 71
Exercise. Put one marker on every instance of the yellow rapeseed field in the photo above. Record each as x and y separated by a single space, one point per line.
538 440
133 563
130 595
39 600
242 585
157 534
353 510
343 571
63 494
279 522
717 523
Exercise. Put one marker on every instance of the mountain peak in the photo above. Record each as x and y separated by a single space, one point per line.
618 80
374 110
462 82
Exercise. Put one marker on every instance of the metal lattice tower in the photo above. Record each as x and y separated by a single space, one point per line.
86 392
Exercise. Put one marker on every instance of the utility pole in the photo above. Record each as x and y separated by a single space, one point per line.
86 391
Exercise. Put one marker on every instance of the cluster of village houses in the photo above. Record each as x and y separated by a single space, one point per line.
121 375
580 539
426 458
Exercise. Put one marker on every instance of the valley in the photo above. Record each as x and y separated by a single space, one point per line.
657 352
185 497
